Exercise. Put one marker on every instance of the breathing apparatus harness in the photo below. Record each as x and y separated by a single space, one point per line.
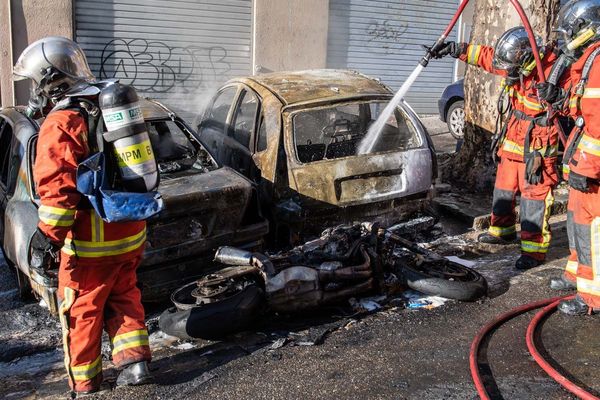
505 113
119 189
505 108
580 122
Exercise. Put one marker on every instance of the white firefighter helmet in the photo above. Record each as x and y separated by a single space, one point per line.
578 23
56 65
513 51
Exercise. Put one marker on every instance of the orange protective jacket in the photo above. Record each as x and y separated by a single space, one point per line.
523 98
586 159
65 217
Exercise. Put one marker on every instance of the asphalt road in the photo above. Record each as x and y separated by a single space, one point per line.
394 353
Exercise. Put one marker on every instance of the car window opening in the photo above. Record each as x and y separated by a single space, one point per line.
336 131
245 118
173 150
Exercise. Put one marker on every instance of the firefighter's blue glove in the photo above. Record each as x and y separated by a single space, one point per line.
579 182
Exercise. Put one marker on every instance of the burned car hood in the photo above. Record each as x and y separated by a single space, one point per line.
222 189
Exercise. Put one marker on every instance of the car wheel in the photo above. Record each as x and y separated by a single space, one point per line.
456 119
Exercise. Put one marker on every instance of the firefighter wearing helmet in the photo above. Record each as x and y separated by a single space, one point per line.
526 143
579 26
97 260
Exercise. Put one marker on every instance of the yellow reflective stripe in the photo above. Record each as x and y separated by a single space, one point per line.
546 234
97 227
589 145
596 249
130 340
55 216
87 372
588 287
56 222
502 231
566 169
534 247
65 306
57 210
572 267
473 51
105 248
530 104
591 93
513 147
129 335
574 102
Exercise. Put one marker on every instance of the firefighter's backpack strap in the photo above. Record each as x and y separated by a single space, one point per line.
91 115
585 74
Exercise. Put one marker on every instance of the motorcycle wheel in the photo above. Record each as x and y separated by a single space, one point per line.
445 279
216 320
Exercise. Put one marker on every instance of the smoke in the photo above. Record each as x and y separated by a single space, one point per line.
190 105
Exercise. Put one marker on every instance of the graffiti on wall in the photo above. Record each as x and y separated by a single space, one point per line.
156 67
386 35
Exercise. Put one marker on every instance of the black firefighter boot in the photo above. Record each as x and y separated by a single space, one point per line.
575 306
562 283
525 262
135 374
492 239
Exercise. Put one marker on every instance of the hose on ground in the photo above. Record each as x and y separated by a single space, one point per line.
549 305
545 365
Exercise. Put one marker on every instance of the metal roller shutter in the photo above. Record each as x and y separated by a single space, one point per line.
383 39
172 50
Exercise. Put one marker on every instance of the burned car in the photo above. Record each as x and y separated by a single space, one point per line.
297 135
206 205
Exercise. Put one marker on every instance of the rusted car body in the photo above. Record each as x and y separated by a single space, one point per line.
206 205
297 134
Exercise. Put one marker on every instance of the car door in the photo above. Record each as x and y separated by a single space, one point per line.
243 131
215 124
7 168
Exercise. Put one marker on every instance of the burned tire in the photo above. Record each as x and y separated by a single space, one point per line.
214 321
448 279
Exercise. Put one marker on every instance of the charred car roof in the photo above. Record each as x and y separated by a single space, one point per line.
318 85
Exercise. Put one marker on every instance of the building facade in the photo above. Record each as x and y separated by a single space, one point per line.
179 50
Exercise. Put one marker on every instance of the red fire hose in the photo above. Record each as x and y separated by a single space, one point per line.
549 306
532 41
557 376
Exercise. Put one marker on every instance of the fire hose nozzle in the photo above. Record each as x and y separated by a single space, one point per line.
430 50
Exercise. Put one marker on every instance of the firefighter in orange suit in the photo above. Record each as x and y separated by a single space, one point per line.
579 24
97 268
527 146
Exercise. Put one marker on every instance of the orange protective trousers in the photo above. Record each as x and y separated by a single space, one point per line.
586 229
536 204
96 295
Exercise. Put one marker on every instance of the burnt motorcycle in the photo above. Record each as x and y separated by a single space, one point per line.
345 262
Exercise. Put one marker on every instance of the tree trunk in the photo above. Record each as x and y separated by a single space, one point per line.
472 166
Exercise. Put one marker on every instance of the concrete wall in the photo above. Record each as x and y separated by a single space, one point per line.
23 22
290 34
